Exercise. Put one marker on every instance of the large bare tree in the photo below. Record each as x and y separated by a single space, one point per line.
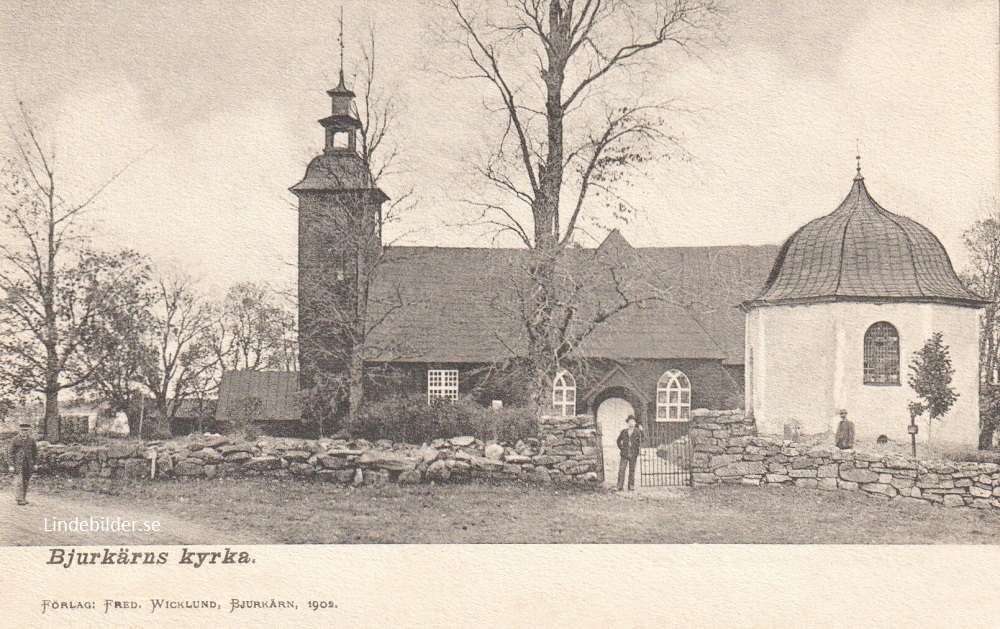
572 120
51 285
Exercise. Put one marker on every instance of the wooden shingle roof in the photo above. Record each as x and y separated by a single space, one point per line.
463 305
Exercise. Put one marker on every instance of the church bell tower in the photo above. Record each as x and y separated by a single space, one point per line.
340 237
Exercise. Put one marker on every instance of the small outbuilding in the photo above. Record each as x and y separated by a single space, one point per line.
266 399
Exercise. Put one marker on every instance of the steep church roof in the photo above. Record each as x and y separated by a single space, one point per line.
460 305
863 252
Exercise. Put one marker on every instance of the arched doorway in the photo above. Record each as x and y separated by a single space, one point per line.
610 416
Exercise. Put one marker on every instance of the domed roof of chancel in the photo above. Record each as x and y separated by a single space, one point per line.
863 252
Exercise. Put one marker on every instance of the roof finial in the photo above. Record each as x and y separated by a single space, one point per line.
857 143
341 85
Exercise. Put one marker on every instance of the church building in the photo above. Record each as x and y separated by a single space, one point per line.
851 297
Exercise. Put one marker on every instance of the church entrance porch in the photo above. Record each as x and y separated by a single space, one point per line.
611 416
666 456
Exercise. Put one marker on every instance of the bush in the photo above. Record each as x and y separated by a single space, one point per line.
410 419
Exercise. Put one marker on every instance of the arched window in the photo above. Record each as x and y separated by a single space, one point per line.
673 397
564 394
882 354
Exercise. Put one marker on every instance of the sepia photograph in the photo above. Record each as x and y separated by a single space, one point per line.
288 277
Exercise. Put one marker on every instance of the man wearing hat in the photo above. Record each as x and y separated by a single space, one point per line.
629 443
845 432
22 455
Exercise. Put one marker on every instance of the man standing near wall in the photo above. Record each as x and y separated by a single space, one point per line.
845 432
629 444
22 455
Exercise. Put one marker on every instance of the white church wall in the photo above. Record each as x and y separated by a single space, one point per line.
793 353
808 363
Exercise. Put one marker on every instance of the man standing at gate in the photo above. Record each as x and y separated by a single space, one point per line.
629 443
22 455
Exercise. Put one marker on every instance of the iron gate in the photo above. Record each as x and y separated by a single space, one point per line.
666 455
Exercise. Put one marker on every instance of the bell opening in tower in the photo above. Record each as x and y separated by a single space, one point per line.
341 140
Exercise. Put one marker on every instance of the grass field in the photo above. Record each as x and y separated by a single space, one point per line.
291 511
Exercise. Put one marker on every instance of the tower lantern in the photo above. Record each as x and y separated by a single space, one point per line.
342 124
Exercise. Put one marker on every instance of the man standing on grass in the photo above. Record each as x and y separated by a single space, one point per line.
22 455
845 432
629 443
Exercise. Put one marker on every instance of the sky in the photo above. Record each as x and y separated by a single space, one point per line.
212 109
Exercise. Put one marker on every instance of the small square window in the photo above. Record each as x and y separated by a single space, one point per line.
442 384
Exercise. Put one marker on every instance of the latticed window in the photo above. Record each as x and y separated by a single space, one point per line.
673 397
564 394
442 384
882 354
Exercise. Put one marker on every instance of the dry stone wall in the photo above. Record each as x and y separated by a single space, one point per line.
564 452
728 450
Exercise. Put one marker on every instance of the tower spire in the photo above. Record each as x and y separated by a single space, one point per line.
341 39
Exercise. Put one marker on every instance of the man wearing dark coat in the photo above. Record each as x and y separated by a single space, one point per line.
845 432
629 443
22 455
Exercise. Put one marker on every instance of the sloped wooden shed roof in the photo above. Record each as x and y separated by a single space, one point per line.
276 391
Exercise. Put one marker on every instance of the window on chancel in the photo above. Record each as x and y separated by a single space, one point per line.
881 354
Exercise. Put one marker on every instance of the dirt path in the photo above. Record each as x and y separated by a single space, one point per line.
26 526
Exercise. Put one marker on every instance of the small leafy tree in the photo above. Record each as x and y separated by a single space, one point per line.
930 378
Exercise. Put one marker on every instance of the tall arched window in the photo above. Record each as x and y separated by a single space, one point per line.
673 397
564 394
882 354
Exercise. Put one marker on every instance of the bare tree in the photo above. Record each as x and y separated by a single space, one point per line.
572 123
183 365
252 330
163 338
50 284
